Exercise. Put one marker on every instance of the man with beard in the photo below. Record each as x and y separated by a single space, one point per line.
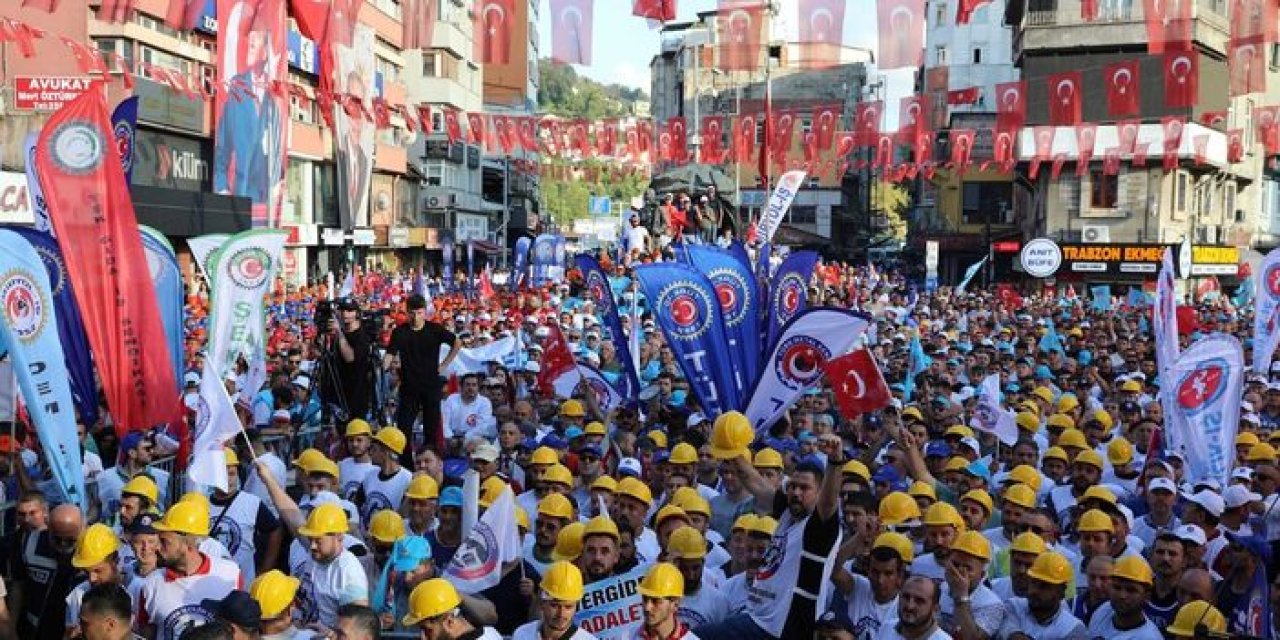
136 455
1043 614
333 577
562 590
241 520
757 532
170 602
1168 559
872 599
43 573
554 512
385 487
1086 471
631 504
661 591
702 603
353 469
436 609
918 605
1122 616
600 540
98 555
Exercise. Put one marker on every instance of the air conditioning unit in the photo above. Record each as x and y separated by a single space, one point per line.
1095 233
442 201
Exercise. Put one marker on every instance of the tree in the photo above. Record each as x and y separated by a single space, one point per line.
567 198
892 198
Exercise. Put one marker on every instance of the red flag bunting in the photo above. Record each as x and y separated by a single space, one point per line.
866 127
1111 162
821 32
901 26
741 25
1246 62
1253 18
493 22
961 148
1200 144
1086 140
713 131
1215 119
1235 145
475 128
662 10
1088 10
965 9
1127 133
1011 105
1064 98
913 117
1122 89
783 127
1181 79
1268 122
424 118
1169 25
419 23
571 31
117 10
557 359
1172 128
452 127
744 138
21 34
825 122
924 147
964 96
1002 150
859 385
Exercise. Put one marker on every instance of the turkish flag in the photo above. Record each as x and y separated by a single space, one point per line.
1122 89
1215 119
452 127
677 138
1086 139
1169 25
924 147
424 118
1235 145
964 10
184 14
1111 162
381 114
961 148
475 127
783 128
580 137
964 96
1064 98
492 22
713 131
741 28
116 10
860 387
866 124
662 10
1251 18
1172 129
1268 122
884 151
419 23
1002 147
1181 79
821 32
901 26
644 135
528 127
88 59
744 139
1011 104
913 117
607 137
1088 10
571 23
1043 136
1246 63
825 121
1200 146
557 359
504 130
1127 133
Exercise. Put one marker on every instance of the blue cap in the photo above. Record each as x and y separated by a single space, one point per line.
410 551
451 497
937 450
573 432
807 436
455 467
661 455
976 468
887 474
677 397
131 441
591 449
1012 387
1042 371
555 442
529 444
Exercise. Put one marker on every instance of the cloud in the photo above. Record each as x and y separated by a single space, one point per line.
623 73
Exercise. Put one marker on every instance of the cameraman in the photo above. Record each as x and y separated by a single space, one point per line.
351 346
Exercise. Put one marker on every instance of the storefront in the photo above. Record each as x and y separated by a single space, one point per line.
1085 264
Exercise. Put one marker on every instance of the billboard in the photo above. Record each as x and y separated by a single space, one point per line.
173 162
251 110
352 131
47 93
158 104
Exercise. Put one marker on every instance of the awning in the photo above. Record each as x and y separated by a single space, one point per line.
183 214
486 246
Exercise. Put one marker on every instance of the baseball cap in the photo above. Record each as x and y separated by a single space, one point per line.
237 608
630 467
144 523
1190 533
1162 483
131 441
485 452
1209 501
1238 495
190 378
451 497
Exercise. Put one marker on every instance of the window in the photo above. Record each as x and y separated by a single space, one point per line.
1274 58
1180 192
390 71
430 67
113 47
1247 125
1103 190
940 53
302 109
1229 203
804 214
151 24
977 56
984 202
939 13
162 59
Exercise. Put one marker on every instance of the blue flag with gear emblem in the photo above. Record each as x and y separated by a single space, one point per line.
167 277
28 326
735 288
71 333
686 309
789 291
599 292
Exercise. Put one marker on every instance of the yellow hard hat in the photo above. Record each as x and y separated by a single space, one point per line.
658 437
569 542
762 525
920 489
744 522
1261 452
386 526
196 497
693 504
686 542
731 435
233 459
1094 520
189 517
562 582
767 459
423 487
683 453
634 488
663 580
558 474
143 487
1028 542
942 514
555 505
358 427
95 545
898 543
959 431
1119 452
1056 453
1028 421
1131 386
605 483
324 466
1044 393
522 518
594 428
1026 474
856 468
1062 421
1132 568
981 497
1247 438
1068 402
670 511
1030 405
392 438
431 599
601 525
956 463
972 543
913 413
898 508
274 592
308 458
544 455
1052 567
572 409
324 520
1194 614
1021 495
1089 457
1098 492
1072 438
1104 418
490 489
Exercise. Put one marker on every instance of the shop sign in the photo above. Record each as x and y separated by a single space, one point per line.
15 202
47 93
1041 258
1214 261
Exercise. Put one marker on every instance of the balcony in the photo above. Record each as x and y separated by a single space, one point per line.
1060 25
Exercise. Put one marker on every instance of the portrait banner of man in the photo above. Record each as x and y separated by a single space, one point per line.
354 133
251 112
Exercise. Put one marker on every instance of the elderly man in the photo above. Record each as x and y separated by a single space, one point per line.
43 574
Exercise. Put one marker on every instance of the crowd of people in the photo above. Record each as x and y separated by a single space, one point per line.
345 502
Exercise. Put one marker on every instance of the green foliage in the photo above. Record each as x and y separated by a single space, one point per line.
562 92
566 198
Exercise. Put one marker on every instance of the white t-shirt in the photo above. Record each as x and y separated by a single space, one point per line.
987 608
707 606
131 584
533 631
331 585
254 485
867 616
890 632
382 494
636 237
351 475
468 419
1018 619
735 591
1100 626
172 603
928 566
92 465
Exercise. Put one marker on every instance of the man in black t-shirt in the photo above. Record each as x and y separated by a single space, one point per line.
415 346
351 347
